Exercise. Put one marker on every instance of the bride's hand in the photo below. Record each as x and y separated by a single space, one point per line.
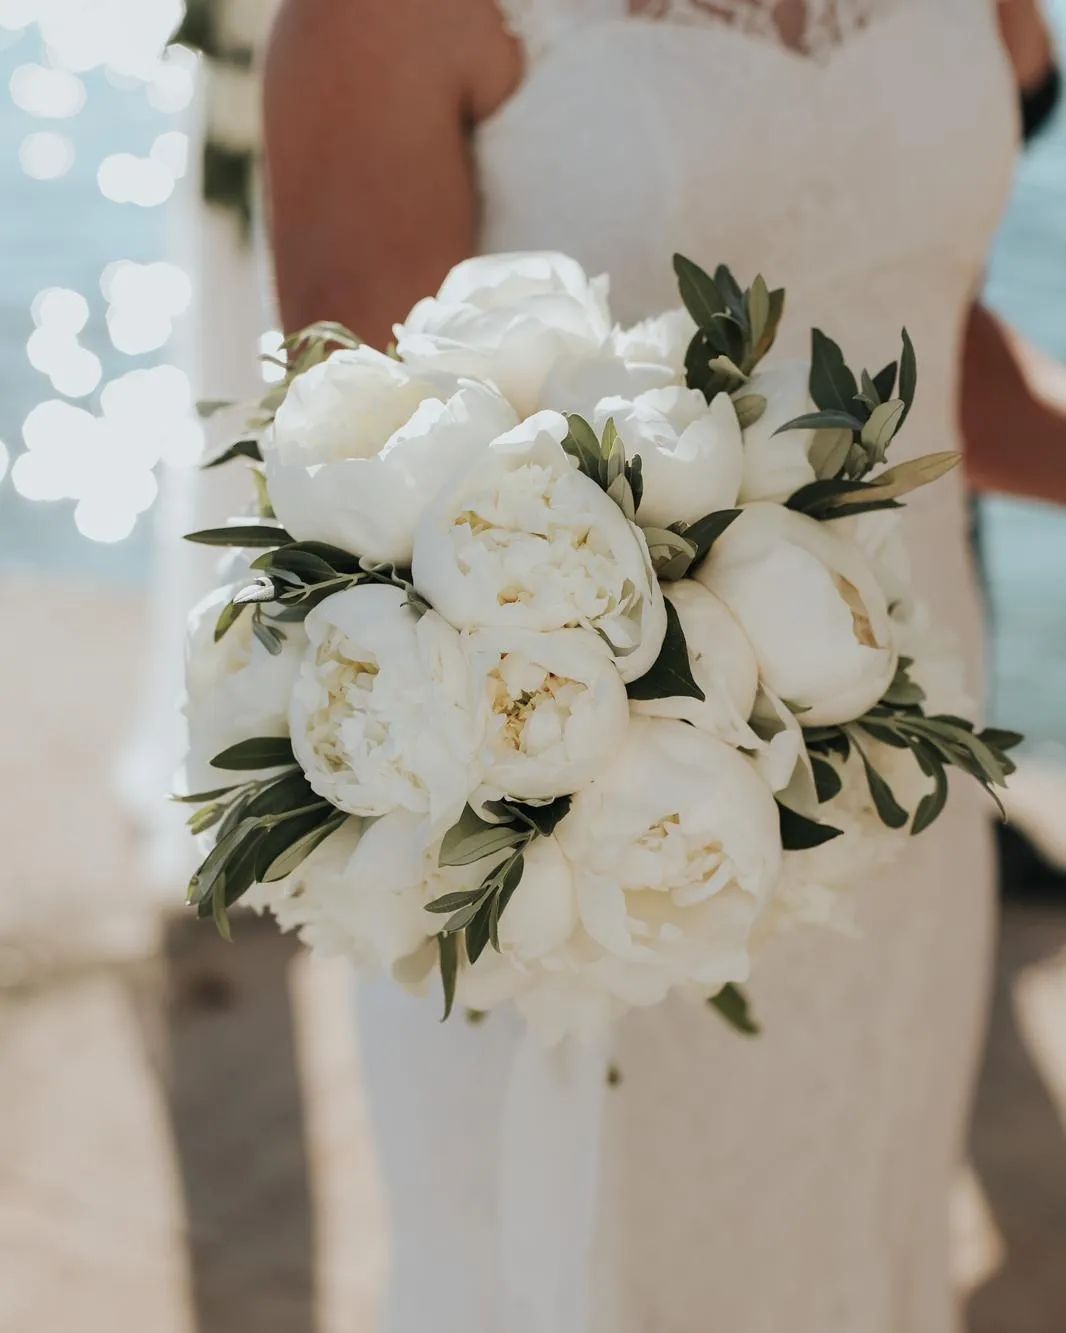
1028 41
1013 413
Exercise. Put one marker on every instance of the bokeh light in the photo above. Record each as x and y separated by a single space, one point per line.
143 302
46 155
171 151
173 83
127 179
47 93
122 36
59 315
102 432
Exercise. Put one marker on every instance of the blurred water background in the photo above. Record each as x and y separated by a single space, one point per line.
90 166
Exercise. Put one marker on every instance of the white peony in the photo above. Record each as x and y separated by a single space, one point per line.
508 319
691 454
378 715
635 361
723 665
675 849
523 540
939 665
360 445
662 341
812 609
235 690
551 710
581 384
776 466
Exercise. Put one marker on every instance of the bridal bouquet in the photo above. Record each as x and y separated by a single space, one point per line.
567 661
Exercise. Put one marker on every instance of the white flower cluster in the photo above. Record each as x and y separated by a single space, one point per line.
516 653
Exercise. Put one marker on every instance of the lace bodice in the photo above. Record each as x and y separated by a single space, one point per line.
807 27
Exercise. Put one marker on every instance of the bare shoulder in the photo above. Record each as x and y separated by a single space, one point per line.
371 184
454 50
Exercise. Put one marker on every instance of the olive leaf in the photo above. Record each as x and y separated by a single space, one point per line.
735 328
475 913
672 555
838 498
704 532
241 534
261 752
830 419
799 834
732 1004
827 780
884 382
829 452
908 376
448 951
885 420
888 808
936 742
228 617
907 477
750 408
832 385
242 449
300 846
603 460
699 292
671 675
473 838
273 640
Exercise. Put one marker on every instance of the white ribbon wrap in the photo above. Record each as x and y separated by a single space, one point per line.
549 1185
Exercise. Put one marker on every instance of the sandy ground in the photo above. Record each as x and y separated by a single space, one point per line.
183 1144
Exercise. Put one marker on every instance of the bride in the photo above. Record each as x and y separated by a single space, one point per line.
858 152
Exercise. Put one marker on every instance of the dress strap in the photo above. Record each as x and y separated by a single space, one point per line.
540 24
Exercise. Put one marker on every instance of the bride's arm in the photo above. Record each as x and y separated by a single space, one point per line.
1028 41
1013 413
1014 397
368 108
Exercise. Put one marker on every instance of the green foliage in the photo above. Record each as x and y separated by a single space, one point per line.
799 834
839 498
292 578
671 676
604 462
241 534
856 421
242 449
735 328
266 826
475 913
732 1004
677 550
936 743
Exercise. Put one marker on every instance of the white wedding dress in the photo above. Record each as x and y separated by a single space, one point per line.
796 1183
